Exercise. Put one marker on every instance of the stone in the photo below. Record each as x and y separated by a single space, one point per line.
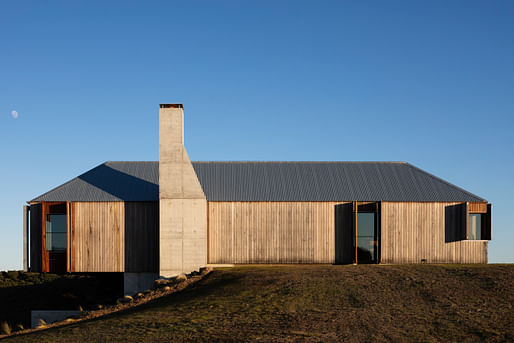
125 299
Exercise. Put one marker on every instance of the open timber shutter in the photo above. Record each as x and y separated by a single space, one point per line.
354 231
486 224
344 233
463 225
35 238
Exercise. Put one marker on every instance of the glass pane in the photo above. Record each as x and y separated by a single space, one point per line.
56 232
56 241
57 223
475 226
366 249
366 224
366 238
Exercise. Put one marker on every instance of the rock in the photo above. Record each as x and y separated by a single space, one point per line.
40 324
167 288
205 270
125 299
139 295
181 277
160 283
5 328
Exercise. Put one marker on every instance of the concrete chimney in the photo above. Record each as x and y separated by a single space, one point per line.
182 202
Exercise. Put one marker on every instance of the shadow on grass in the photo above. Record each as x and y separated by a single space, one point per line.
56 292
211 284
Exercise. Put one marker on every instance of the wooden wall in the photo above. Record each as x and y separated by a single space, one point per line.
412 231
271 232
142 236
97 237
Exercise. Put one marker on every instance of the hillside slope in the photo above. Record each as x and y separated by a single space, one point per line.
319 303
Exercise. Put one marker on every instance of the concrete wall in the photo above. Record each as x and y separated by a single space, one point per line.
138 282
182 202
41 317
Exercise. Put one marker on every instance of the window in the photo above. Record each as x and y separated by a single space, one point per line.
366 238
56 232
475 226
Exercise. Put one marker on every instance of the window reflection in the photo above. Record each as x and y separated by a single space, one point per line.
366 238
475 226
56 232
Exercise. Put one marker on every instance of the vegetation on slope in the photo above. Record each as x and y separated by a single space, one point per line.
319 303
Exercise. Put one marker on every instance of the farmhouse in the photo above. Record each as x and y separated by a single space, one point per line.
151 219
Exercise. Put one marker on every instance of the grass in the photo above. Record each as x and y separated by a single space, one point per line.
365 303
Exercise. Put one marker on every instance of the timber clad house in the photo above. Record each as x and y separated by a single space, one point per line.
158 219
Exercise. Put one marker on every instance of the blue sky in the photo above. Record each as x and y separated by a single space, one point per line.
431 83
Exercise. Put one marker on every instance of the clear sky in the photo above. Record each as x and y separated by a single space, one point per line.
428 82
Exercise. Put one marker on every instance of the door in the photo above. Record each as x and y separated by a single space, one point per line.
55 237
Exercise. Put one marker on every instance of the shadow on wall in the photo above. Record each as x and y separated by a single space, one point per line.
121 185
455 223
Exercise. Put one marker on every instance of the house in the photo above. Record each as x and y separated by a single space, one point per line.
151 219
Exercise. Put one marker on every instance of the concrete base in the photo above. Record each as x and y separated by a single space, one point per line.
50 317
138 282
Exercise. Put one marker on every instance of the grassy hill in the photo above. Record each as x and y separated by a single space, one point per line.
365 303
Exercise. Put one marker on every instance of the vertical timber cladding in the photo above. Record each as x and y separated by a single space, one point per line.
97 242
415 232
273 232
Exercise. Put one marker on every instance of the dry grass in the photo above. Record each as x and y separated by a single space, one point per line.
410 303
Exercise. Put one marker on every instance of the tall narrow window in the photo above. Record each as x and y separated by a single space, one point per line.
475 226
56 232
366 238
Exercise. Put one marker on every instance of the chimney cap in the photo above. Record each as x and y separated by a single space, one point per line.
171 106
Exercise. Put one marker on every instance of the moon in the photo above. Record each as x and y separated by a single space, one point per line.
14 114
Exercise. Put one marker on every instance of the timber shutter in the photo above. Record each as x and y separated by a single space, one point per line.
35 238
486 224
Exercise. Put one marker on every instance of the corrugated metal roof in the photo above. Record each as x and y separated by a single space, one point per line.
266 181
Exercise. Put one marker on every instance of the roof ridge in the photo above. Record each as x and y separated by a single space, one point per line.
130 162
360 162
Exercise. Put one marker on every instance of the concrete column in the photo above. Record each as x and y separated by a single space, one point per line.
182 202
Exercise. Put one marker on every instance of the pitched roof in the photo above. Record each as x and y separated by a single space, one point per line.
266 181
